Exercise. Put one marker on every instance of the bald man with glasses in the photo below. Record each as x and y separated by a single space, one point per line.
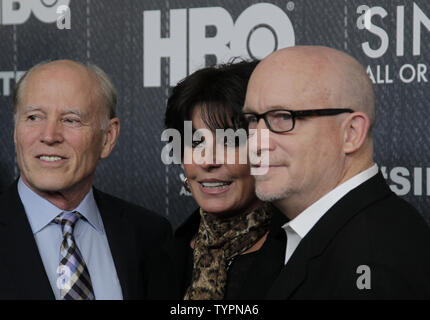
348 235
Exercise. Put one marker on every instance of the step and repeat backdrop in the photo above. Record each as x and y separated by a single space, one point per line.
147 46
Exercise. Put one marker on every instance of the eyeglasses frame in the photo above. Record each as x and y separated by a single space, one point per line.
299 114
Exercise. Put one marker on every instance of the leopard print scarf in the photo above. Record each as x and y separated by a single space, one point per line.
218 240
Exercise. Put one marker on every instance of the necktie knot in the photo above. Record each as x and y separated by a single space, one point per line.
68 220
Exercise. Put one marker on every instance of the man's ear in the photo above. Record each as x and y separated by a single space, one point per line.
356 129
110 136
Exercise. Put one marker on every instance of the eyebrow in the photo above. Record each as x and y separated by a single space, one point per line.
32 108
73 111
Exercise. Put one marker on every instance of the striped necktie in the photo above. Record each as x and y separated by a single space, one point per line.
74 279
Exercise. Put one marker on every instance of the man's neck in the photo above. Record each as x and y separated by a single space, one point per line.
65 199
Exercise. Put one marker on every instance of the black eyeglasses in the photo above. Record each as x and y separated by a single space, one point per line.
281 121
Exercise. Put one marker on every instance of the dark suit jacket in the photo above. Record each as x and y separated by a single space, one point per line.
369 226
132 233
173 265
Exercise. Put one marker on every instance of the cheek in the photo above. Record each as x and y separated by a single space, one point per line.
188 156
322 153
24 139
85 146
190 171
240 157
242 175
245 185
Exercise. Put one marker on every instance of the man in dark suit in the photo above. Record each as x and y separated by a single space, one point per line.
60 237
348 235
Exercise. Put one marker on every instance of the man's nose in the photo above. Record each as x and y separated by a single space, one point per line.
259 140
52 132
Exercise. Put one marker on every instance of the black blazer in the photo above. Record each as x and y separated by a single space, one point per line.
369 226
132 232
172 267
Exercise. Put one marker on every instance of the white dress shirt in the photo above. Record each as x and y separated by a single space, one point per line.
297 228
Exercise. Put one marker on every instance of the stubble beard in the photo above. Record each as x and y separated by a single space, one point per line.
271 196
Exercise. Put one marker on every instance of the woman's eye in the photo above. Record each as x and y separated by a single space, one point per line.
229 142
198 143
234 142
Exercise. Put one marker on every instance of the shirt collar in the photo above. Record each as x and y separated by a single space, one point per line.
40 212
305 221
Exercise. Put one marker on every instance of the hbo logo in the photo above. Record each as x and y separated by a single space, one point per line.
259 30
18 11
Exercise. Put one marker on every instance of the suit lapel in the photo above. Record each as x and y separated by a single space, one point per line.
118 237
19 251
313 244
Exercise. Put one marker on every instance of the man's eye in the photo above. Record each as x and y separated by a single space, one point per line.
33 117
71 121
281 116
285 116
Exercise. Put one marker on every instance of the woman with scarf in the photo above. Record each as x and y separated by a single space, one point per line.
233 246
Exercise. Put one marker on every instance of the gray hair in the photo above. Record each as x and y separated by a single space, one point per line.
107 91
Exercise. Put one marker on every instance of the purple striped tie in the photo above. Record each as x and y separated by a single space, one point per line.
74 279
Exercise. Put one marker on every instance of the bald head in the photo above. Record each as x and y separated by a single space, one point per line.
322 76
104 93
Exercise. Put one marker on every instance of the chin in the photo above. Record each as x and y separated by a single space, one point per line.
270 194
216 208
48 185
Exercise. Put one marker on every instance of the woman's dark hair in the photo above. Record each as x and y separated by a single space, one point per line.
219 91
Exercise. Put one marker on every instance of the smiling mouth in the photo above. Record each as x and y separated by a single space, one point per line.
50 158
216 185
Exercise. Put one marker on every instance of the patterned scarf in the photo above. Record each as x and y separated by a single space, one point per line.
219 240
